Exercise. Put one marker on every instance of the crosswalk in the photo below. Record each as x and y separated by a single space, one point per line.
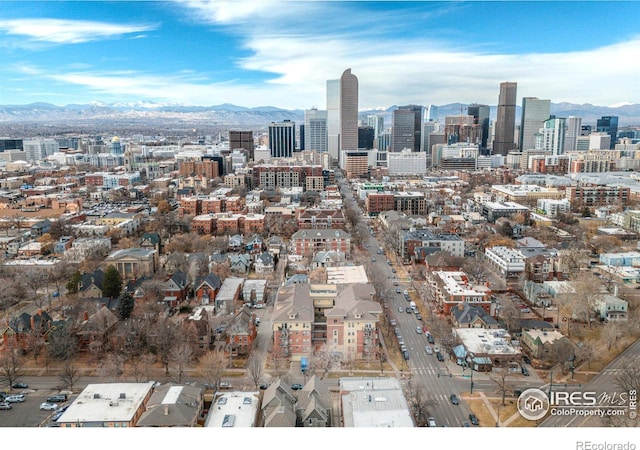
429 371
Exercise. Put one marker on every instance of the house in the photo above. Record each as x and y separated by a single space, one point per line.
313 406
199 322
275 245
466 316
94 330
278 405
236 409
228 295
374 402
612 308
264 263
328 259
63 244
40 228
151 240
90 285
18 332
206 288
255 292
540 342
135 287
307 242
173 406
242 332
235 243
240 262
254 244
175 289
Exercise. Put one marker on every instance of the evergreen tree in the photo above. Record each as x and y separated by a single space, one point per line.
73 284
126 305
111 283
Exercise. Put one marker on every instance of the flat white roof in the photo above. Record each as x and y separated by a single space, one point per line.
107 402
233 409
482 341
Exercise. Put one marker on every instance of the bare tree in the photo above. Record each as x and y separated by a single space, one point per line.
70 374
212 367
419 402
33 279
181 355
165 333
255 368
10 368
499 377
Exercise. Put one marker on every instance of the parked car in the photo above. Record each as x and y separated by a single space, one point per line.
48 406
430 338
419 330
58 398
20 386
225 385
465 424
296 386
454 399
5 405
432 422
17 398
418 316
263 386
405 355
439 356
526 359
474 419
408 310
429 350
525 371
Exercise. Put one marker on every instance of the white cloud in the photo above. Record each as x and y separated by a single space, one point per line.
58 31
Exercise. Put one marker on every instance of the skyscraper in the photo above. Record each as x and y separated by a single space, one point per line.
242 139
282 139
609 125
417 111
480 114
315 130
348 111
377 122
402 130
432 113
506 119
333 118
534 114
574 125
553 135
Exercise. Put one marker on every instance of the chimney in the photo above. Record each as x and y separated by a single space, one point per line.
39 311
166 409
460 306
33 322
85 316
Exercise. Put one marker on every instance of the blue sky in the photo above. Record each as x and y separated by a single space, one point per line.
280 53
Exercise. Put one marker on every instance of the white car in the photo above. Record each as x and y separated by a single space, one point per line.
17 398
429 350
419 330
48 406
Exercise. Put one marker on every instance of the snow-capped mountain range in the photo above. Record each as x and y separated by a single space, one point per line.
233 115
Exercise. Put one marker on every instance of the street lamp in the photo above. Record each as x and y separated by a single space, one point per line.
470 365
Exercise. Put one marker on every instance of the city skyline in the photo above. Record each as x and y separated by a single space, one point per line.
281 53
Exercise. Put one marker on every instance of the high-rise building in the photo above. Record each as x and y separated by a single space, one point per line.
431 113
534 114
366 136
574 126
315 130
609 125
10 144
282 139
403 130
377 122
242 139
552 135
417 112
333 118
427 129
480 115
348 111
462 128
506 119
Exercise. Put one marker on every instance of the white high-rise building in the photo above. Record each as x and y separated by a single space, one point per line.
39 149
333 118
574 127
315 130
431 113
552 135
534 113
377 123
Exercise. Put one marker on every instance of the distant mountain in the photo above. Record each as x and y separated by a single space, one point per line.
228 115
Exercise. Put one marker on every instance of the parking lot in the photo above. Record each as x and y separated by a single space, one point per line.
27 413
